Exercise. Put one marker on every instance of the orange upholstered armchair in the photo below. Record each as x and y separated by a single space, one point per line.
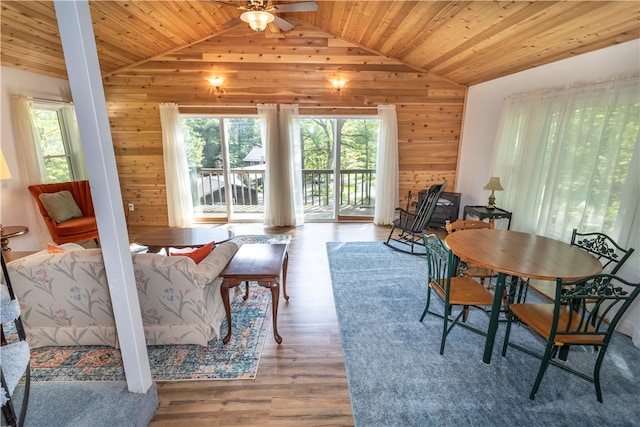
67 210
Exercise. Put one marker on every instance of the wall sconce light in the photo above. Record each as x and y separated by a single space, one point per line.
215 81
257 19
338 84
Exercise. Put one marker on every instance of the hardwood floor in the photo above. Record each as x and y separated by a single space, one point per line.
301 382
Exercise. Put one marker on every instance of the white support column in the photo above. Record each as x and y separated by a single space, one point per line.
78 42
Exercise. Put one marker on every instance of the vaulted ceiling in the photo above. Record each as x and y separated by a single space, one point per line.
464 42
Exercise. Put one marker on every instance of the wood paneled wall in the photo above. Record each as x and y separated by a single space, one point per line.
288 68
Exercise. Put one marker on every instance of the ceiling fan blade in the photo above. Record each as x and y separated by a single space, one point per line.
282 24
307 6
273 32
226 3
231 23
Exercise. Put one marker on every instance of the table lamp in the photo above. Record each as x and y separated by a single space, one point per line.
493 185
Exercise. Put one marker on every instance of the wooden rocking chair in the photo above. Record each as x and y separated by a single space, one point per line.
409 226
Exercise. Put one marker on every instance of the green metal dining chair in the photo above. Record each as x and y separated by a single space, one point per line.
611 255
452 289
584 313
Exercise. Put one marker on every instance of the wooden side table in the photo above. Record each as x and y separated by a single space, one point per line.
482 212
262 263
9 232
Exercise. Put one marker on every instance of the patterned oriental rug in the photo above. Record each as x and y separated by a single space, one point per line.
238 359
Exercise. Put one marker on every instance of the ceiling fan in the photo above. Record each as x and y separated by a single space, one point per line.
258 13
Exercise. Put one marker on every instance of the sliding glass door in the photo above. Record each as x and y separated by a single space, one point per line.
339 157
227 166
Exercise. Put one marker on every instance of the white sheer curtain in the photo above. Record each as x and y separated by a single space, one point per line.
283 176
275 205
386 166
564 155
176 169
32 169
27 148
290 136
569 158
627 232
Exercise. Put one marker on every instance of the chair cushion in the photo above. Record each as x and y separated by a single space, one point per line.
465 291
60 206
76 226
539 317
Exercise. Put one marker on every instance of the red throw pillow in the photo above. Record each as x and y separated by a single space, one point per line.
199 254
53 249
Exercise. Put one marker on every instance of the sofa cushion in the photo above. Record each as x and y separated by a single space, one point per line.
199 254
60 206
65 298
215 262
54 249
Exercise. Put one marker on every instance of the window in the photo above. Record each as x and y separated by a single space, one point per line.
59 142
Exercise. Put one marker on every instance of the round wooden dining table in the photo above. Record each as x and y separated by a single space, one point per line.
514 253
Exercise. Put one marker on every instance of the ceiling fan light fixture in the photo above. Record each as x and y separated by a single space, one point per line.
257 19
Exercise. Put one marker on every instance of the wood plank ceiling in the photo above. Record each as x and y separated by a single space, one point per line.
464 42
418 56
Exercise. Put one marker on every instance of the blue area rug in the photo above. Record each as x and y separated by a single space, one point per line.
397 377
87 403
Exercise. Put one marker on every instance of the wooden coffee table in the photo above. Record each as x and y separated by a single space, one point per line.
183 238
262 263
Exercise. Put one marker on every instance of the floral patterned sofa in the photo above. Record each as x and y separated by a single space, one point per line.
65 298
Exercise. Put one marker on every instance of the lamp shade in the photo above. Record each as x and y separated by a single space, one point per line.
5 173
493 184
257 19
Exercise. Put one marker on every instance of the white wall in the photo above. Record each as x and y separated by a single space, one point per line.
17 202
482 113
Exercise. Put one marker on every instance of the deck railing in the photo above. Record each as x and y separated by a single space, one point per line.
247 186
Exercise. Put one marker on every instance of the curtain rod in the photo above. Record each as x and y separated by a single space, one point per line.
301 107
48 101
336 107
216 106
